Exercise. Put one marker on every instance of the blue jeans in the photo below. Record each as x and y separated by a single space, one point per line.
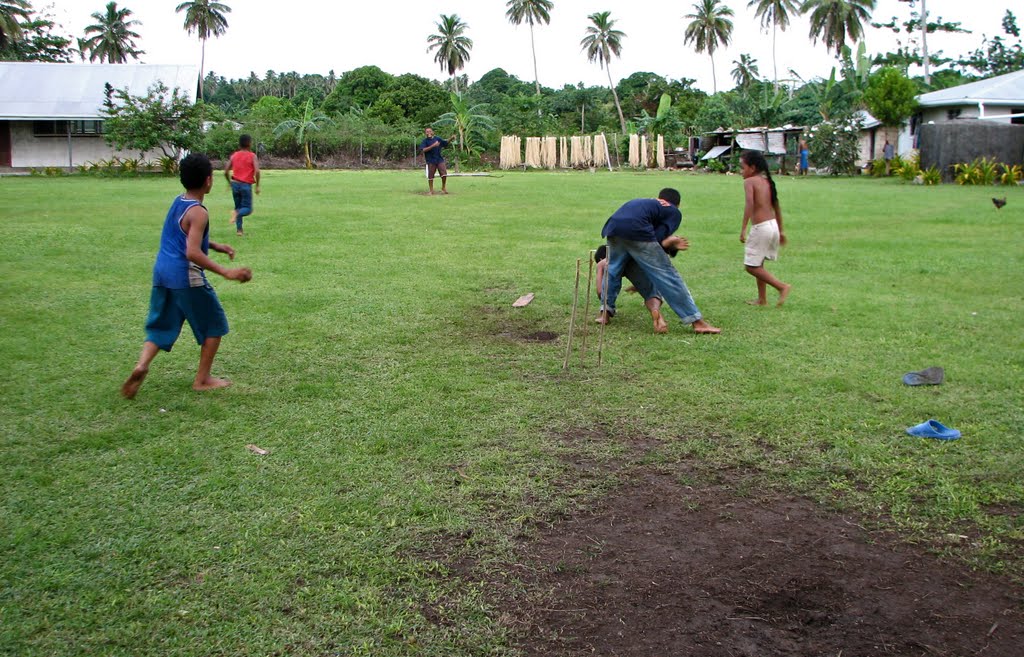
657 271
242 193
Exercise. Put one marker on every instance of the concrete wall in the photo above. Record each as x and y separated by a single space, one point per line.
27 150
946 143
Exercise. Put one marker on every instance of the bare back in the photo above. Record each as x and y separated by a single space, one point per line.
759 206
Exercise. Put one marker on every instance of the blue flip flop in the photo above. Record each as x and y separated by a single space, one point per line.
934 429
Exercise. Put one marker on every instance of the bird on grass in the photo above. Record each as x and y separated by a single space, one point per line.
999 202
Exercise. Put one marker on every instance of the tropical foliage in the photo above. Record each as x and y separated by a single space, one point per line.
777 14
471 125
163 119
451 44
311 121
836 21
709 29
746 72
531 11
206 18
834 145
600 42
112 39
891 97
12 14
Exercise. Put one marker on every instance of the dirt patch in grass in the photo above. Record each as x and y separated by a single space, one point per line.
682 561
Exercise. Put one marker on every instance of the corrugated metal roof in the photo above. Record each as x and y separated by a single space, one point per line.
36 90
1001 90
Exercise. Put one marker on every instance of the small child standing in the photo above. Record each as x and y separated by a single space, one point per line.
243 174
762 209
180 290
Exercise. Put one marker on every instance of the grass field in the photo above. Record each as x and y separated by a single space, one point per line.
376 356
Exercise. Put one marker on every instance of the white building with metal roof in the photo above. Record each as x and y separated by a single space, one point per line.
52 114
999 99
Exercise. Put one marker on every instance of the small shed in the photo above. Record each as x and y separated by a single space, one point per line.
51 115
781 142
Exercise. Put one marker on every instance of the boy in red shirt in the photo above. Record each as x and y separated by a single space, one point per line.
243 174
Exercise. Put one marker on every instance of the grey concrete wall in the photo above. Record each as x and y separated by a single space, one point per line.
27 150
945 143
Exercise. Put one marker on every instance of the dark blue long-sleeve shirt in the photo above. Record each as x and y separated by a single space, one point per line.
643 220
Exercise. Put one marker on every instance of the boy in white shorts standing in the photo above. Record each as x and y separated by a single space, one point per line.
762 211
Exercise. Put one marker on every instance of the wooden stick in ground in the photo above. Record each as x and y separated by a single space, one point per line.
586 311
604 308
572 317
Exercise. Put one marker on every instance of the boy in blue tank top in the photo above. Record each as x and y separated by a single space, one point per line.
180 290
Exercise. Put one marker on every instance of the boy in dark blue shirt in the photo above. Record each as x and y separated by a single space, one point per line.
431 148
180 289
641 231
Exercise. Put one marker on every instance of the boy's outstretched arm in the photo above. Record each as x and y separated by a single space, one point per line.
195 222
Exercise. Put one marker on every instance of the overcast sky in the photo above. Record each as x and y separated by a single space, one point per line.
316 36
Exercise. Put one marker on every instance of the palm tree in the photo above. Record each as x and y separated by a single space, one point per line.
775 12
833 21
532 11
206 18
601 42
746 72
112 39
310 122
709 28
452 45
12 12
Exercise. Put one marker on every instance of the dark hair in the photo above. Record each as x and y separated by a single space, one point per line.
670 195
245 141
193 171
756 159
601 253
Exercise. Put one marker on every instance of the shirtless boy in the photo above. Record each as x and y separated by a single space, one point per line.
763 212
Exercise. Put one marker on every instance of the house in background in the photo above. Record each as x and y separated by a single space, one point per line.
999 99
51 115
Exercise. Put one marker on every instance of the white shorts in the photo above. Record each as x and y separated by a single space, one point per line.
762 243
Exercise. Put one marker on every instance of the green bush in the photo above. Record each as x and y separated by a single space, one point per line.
931 176
909 169
221 140
835 145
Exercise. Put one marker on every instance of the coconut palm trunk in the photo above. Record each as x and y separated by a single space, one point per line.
714 76
533 48
775 64
615 96
202 70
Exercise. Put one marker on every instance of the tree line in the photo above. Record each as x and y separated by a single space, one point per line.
381 109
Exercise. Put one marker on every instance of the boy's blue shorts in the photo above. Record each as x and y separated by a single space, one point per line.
169 309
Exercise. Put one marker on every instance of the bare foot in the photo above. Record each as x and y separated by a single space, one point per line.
602 318
756 302
131 385
430 193
660 325
234 217
783 294
211 383
700 327
239 233
444 191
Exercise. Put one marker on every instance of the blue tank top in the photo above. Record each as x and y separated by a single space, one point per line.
173 269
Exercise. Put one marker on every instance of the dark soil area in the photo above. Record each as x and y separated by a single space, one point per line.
667 566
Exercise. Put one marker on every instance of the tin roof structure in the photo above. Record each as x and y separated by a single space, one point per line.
1001 90
38 90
